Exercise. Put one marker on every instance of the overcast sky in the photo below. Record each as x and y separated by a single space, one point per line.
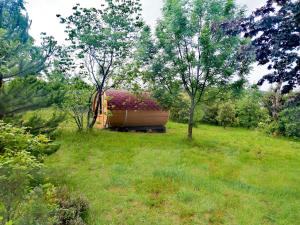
43 16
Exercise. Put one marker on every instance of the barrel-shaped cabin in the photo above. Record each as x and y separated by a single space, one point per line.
123 110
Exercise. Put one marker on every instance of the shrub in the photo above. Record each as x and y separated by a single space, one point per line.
17 171
289 122
24 196
14 139
39 207
36 124
72 210
226 114
180 111
210 113
21 155
251 113
77 101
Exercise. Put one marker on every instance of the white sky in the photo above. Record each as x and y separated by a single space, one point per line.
43 16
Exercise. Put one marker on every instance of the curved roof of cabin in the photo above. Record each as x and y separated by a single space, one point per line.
125 100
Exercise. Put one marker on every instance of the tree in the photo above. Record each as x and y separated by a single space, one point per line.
76 100
193 52
275 33
19 56
102 40
28 93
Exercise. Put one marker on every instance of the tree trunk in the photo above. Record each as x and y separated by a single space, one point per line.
1 80
98 107
191 119
277 100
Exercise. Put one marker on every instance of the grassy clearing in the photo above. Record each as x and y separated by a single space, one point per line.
231 176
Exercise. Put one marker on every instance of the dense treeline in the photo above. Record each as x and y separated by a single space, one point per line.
251 109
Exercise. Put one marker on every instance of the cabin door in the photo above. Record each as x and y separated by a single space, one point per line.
102 117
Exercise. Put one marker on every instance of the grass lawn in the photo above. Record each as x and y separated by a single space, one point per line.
232 176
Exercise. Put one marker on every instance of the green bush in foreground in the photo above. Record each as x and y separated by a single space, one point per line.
15 139
26 197
17 173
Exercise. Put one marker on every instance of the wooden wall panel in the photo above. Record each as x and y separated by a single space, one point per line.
137 118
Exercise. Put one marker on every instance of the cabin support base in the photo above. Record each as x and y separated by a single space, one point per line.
146 129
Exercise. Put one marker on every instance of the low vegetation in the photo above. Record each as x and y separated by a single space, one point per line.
26 196
224 176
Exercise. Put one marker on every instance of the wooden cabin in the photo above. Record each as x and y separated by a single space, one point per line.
123 110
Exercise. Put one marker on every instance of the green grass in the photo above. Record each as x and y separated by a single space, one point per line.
224 176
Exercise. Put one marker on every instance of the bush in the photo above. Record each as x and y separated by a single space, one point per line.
39 207
14 139
21 155
36 124
289 122
180 111
226 114
210 113
24 196
17 172
250 113
72 210
77 101
49 205
271 128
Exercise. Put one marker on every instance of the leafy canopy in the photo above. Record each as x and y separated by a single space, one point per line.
100 42
192 51
275 33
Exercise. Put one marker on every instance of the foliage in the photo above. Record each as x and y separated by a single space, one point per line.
101 40
226 114
214 97
29 93
273 101
72 209
36 124
250 112
145 47
180 110
14 20
14 140
271 128
77 101
275 33
17 171
38 207
19 56
289 122
210 113
25 195
193 51
49 205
